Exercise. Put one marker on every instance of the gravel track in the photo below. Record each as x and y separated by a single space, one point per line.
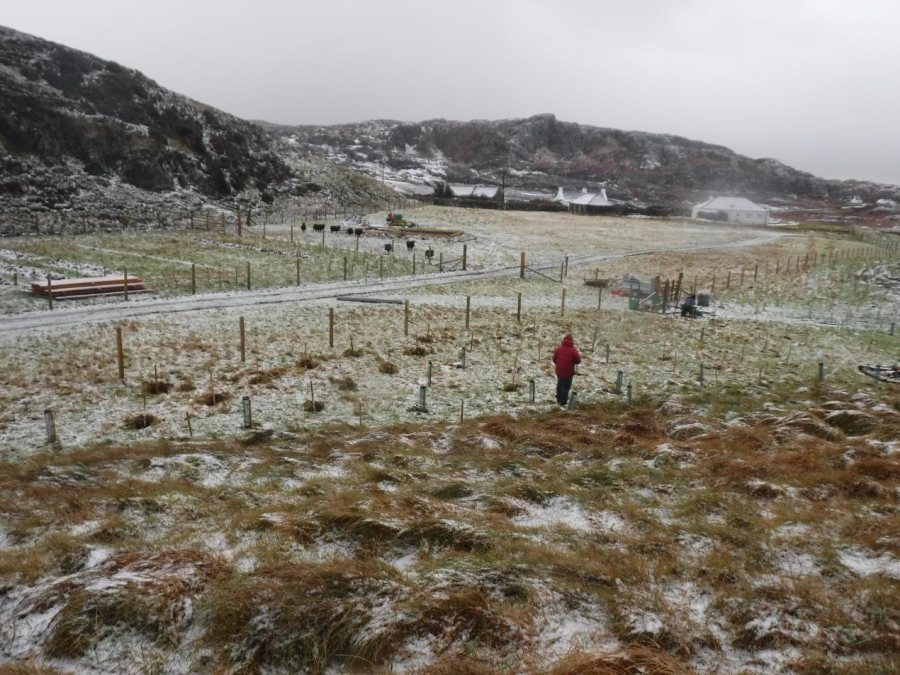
52 320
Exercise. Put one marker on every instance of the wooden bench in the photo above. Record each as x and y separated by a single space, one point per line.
70 289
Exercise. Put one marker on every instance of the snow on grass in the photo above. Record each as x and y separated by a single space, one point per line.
865 563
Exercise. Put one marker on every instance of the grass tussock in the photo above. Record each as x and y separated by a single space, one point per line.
313 406
344 383
306 617
155 387
631 660
141 421
214 398
387 368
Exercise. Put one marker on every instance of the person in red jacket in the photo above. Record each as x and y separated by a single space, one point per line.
565 356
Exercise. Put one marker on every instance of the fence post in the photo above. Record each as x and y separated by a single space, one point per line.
821 371
331 327
298 271
49 292
441 261
522 265
464 357
120 353
125 275
468 308
619 378
562 303
519 308
572 398
248 415
430 365
607 353
248 275
51 426
193 278
531 391
406 317
345 267
464 257
629 392
243 341
422 390
566 266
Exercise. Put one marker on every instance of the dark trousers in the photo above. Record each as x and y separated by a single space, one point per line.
563 385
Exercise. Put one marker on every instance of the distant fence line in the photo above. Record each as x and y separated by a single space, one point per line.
70 221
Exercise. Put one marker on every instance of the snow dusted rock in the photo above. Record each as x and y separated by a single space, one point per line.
852 422
684 428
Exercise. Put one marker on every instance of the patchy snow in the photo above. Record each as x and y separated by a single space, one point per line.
557 511
864 563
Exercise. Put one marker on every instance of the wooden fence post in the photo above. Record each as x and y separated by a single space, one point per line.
406 317
562 303
464 257
49 292
519 308
331 327
193 278
248 275
125 275
522 265
468 309
120 353
243 340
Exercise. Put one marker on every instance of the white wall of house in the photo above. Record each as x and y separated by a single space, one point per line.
738 210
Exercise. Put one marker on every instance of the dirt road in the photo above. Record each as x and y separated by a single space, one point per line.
56 319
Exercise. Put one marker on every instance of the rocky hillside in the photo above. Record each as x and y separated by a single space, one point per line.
541 153
83 136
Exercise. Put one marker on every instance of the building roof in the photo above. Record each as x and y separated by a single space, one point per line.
487 191
592 199
581 197
729 204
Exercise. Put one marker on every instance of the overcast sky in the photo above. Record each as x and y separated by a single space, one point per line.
813 83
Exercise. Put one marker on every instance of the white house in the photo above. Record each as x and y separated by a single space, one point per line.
736 210
580 200
483 191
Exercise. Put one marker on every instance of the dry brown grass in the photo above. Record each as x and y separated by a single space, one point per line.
631 660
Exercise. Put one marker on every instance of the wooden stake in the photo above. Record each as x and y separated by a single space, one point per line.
120 353
522 265
519 308
331 327
562 303
464 257
298 271
462 409
193 279
49 292
187 417
243 343
406 318
125 274
248 275
468 309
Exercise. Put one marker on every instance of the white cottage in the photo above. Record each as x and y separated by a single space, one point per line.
581 200
736 210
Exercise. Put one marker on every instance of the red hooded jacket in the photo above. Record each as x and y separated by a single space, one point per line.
565 357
